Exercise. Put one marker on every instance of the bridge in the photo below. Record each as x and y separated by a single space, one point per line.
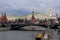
18 26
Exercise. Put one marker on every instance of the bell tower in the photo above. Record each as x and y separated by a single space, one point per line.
50 12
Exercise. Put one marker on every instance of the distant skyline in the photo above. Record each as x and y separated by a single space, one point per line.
17 7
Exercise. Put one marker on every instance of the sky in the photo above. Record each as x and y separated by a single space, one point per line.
23 7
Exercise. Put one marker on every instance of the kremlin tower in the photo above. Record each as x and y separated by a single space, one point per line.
33 17
4 17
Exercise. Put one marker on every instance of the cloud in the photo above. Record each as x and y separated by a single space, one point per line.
38 5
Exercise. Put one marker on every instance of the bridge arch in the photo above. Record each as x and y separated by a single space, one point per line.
18 26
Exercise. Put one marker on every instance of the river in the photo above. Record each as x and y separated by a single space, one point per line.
18 35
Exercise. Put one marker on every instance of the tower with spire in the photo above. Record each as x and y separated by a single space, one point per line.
33 17
4 17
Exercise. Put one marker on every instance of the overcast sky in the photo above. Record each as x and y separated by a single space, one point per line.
17 7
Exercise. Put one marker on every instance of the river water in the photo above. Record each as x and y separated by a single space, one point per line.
18 35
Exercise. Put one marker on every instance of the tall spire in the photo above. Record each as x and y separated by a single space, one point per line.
32 13
2 14
33 18
4 18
